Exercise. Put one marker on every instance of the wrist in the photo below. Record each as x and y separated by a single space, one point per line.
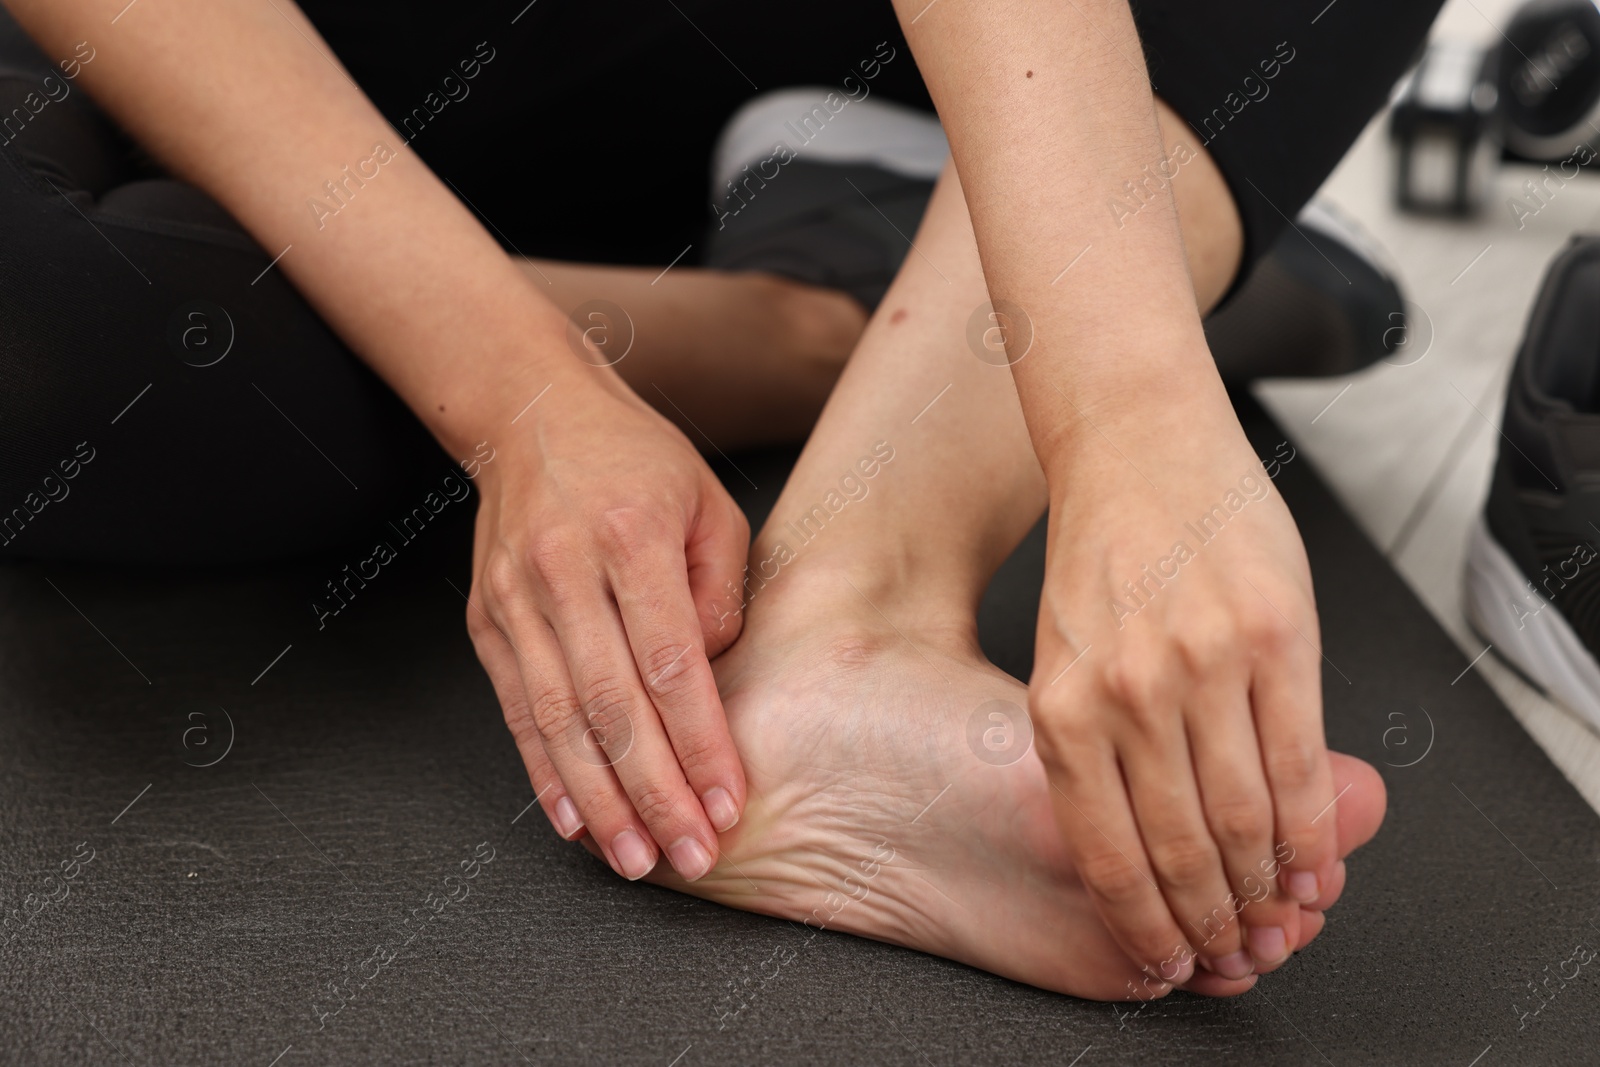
496 394
1148 406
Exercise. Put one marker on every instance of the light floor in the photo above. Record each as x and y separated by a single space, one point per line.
1408 447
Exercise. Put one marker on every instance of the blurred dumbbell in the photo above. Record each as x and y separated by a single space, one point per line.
1537 92
1549 79
1445 123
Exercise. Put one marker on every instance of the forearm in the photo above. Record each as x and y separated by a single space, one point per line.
245 101
1049 111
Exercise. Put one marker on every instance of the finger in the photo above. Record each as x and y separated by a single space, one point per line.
1286 699
630 732
499 661
1159 768
652 592
1291 937
569 741
1336 884
1093 811
1239 814
715 550
1311 924
1360 813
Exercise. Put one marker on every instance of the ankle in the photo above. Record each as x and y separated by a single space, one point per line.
818 328
861 604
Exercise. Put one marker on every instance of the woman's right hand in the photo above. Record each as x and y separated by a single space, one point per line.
604 547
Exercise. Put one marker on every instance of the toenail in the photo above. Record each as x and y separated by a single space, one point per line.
1237 965
567 820
1303 886
689 857
720 809
1268 944
634 856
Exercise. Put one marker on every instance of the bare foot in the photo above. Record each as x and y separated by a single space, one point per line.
886 800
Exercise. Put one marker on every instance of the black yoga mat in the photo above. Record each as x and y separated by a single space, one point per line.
211 812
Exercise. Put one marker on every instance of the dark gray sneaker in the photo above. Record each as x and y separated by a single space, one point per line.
814 186
1533 569
1320 303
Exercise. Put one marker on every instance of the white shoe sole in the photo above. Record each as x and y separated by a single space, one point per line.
1541 645
881 133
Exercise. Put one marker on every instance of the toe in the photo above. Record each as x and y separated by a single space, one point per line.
1360 813
1362 799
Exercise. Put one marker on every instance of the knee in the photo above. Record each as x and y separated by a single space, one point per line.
168 200
1213 231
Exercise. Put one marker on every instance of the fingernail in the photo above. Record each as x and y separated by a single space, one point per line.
1185 972
720 809
1237 965
1303 886
689 858
1268 944
567 820
633 855
1182 971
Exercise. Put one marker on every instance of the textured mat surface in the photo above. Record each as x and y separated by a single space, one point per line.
218 824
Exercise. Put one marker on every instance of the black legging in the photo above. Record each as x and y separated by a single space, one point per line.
585 135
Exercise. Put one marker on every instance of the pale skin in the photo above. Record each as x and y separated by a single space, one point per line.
1185 747
853 686
747 358
1182 747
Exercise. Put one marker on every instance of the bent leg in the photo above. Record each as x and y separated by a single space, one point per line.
746 359
1277 92
169 399
894 792
225 421
930 379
